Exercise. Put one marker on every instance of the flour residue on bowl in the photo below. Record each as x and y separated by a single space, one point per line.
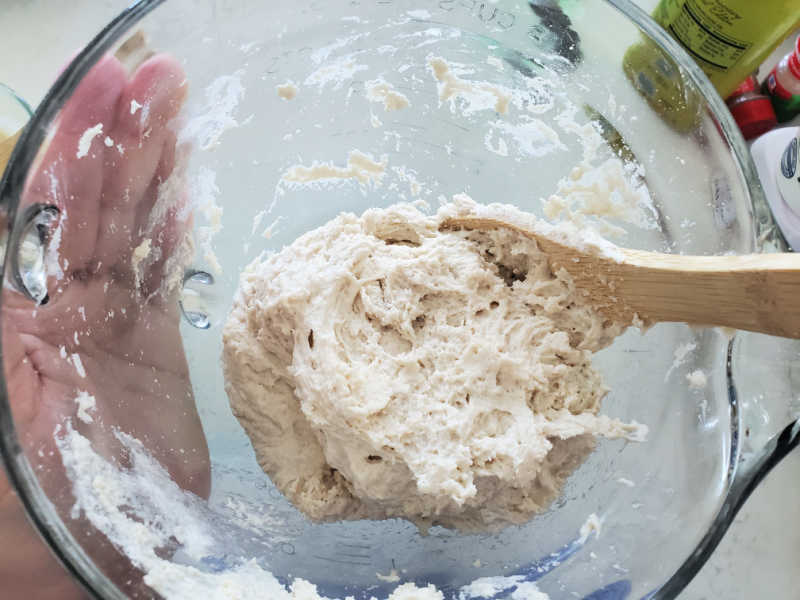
381 91
532 137
593 524
335 72
493 587
141 511
392 577
139 258
85 141
596 193
590 196
86 404
287 91
205 125
697 379
409 177
360 166
476 95
205 191
600 192
680 355
199 128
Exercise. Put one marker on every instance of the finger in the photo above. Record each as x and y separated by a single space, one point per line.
151 99
173 240
144 147
27 567
167 230
70 175
22 380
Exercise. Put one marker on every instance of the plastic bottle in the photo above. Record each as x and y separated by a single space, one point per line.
727 38
783 85
751 109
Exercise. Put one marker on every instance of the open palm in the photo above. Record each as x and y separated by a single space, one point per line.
110 327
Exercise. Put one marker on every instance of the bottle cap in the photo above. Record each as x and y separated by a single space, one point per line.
754 116
751 110
794 59
748 85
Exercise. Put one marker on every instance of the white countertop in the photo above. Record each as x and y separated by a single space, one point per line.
759 557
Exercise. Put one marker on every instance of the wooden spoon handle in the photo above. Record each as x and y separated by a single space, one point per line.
757 292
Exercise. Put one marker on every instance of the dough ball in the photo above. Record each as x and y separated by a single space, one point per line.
384 368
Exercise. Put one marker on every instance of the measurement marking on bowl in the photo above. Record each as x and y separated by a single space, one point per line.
354 555
364 563
359 546
287 548
349 553
502 19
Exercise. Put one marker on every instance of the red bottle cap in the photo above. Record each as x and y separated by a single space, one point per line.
748 85
754 116
794 59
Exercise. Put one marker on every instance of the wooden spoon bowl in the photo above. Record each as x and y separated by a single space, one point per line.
755 292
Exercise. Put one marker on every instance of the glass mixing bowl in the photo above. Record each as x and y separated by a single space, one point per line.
112 320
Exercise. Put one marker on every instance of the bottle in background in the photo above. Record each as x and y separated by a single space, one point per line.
751 109
783 85
660 81
728 39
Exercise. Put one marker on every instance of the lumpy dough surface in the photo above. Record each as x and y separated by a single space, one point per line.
384 368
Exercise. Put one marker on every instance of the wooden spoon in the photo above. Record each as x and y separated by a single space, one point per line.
755 292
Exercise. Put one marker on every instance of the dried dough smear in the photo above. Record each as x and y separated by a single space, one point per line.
384 368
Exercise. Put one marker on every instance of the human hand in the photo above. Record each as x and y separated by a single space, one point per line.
122 325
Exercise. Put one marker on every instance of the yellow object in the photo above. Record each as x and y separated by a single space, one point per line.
728 39
6 147
661 82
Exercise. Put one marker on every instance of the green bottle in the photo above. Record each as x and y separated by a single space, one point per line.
728 39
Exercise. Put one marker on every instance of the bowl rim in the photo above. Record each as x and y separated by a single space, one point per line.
22 477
